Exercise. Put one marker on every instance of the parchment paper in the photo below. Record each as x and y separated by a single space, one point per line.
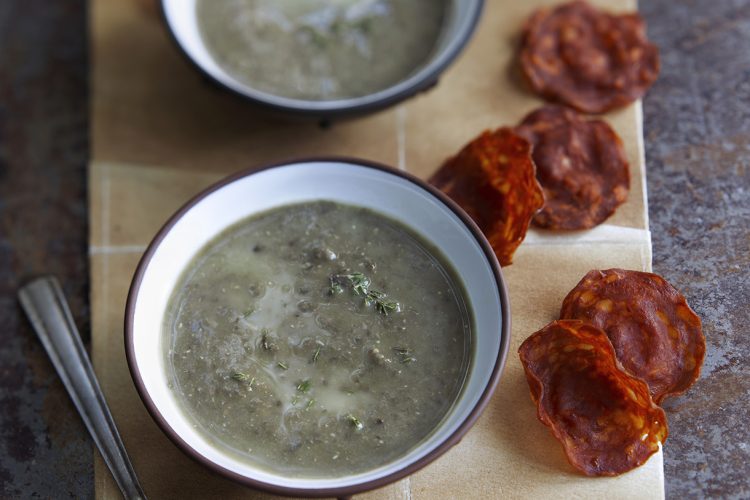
161 133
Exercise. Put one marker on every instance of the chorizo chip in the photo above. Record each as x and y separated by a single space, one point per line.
591 60
581 165
656 335
493 179
604 417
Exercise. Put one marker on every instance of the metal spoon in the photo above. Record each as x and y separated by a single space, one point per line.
45 305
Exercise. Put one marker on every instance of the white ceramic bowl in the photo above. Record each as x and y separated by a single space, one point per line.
182 21
390 192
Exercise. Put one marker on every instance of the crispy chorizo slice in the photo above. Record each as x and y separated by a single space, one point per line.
604 418
589 59
581 165
493 179
656 335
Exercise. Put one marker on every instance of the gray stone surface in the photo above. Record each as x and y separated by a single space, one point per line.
44 450
697 125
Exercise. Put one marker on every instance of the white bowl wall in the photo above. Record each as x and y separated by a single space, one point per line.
343 182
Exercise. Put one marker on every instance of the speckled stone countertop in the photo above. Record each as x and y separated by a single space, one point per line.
697 131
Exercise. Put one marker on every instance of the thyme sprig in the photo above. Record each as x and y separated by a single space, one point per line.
360 284
382 304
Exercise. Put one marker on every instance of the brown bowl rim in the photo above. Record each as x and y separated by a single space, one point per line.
441 447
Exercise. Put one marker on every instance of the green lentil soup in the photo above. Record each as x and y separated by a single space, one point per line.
317 340
321 49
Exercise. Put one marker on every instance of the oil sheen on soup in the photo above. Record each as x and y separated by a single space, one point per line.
320 49
317 339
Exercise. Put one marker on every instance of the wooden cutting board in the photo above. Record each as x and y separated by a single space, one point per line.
160 133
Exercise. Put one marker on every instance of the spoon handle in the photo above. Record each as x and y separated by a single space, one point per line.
45 305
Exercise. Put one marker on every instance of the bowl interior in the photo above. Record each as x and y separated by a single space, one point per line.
182 20
366 186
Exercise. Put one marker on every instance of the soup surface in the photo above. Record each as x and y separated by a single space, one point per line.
320 49
317 339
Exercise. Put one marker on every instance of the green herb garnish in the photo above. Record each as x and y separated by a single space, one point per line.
304 386
372 297
335 287
360 283
356 423
361 286
316 355
382 304
282 365
240 377
387 306
310 404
